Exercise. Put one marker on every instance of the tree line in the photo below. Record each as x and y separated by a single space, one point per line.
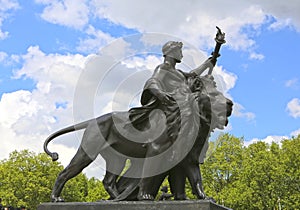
259 176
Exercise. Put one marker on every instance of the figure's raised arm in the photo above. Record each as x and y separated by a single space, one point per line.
211 61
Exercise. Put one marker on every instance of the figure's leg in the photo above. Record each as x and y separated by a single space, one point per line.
177 183
194 175
77 164
149 186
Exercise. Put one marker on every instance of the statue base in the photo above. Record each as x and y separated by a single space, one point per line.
134 205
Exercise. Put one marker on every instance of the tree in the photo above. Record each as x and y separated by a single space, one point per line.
222 166
27 179
257 185
260 176
290 160
96 191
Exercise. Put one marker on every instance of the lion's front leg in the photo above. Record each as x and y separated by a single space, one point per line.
177 182
193 173
77 164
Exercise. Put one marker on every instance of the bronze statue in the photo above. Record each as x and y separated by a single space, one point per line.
163 137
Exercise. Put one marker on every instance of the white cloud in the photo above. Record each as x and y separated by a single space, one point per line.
296 133
292 83
268 140
238 111
149 63
96 40
273 138
293 107
71 13
256 56
280 24
5 11
195 21
3 56
28 117
286 13
225 80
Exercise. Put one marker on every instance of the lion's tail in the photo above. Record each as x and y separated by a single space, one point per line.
79 126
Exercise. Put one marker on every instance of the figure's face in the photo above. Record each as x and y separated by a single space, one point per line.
173 50
176 53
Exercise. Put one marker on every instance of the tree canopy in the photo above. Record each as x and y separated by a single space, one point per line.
26 179
260 176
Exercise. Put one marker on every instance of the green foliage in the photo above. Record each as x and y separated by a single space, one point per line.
96 191
260 176
222 167
27 179
290 159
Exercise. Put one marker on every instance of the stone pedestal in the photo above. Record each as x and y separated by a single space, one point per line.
134 205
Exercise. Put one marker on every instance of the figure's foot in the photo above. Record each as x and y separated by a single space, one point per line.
55 199
146 197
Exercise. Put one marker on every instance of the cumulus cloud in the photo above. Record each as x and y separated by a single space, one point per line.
7 6
3 56
256 56
27 117
280 24
286 13
194 20
273 138
293 107
71 13
268 140
238 111
296 132
95 41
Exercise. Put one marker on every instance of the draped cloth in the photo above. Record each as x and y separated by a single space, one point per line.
180 116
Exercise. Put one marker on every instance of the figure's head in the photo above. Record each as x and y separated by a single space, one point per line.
173 49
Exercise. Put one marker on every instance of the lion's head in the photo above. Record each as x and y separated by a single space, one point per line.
215 108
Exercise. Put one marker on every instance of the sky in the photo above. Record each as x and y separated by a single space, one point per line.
64 61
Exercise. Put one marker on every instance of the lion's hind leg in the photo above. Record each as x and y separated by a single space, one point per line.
77 164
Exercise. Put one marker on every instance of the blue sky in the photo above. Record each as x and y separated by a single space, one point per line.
46 45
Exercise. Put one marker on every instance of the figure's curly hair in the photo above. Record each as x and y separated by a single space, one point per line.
170 46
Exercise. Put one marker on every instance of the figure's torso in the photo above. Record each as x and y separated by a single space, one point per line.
171 79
